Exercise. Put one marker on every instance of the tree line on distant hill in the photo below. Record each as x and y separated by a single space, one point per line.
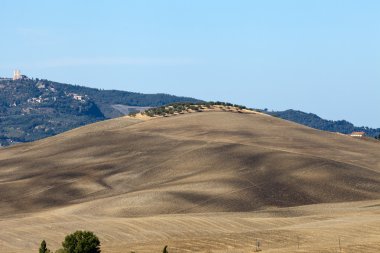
32 109
314 121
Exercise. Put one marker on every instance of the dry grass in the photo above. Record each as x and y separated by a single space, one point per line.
210 181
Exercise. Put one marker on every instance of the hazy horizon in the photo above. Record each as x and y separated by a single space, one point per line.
317 56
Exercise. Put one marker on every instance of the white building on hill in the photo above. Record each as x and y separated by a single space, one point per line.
17 75
357 134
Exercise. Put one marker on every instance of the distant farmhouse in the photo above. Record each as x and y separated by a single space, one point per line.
357 134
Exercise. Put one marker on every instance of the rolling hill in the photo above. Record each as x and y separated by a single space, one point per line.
198 181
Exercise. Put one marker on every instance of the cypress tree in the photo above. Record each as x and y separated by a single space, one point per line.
43 248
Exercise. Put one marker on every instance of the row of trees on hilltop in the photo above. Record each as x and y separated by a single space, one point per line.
182 107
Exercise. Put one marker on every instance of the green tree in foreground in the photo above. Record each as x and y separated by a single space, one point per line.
81 242
43 248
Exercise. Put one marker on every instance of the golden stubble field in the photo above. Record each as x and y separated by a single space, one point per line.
199 182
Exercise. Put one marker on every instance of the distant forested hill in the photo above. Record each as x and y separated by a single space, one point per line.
31 109
314 121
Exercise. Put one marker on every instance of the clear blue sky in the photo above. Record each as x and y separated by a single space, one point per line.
320 56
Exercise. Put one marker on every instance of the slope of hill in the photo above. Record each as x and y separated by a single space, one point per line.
314 121
197 181
246 161
31 109
200 168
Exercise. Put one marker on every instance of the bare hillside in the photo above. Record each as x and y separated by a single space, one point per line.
198 162
198 182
